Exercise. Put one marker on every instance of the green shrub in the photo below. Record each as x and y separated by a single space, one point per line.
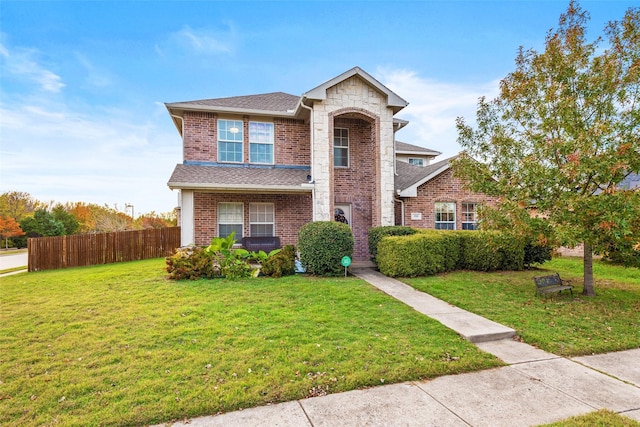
281 264
191 263
409 256
322 245
490 251
535 253
377 233
435 251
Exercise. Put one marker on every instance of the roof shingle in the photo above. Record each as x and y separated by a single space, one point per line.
274 101
221 177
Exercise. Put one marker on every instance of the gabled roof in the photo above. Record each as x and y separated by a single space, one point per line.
410 177
240 178
404 148
393 100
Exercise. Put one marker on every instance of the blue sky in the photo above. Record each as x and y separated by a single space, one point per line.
83 83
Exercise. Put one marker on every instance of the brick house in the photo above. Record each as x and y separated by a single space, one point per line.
265 165
432 197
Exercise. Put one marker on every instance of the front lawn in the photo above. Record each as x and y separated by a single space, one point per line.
119 344
560 324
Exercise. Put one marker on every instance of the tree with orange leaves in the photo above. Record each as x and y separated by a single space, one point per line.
562 135
9 228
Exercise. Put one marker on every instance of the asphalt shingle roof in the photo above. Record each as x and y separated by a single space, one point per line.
631 182
245 177
403 146
408 175
274 101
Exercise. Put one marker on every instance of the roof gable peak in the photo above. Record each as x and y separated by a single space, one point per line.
320 92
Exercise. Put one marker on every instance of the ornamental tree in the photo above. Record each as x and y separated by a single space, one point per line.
9 228
561 135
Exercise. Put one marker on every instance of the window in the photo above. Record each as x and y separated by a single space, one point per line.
445 216
230 137
469 216
261 219
416 162
261 142
341 147
230 218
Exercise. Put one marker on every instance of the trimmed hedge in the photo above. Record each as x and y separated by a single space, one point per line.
322 245
431 251
377 233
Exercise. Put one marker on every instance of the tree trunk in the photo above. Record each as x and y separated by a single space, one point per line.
588 289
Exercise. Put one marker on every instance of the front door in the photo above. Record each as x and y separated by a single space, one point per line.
342 213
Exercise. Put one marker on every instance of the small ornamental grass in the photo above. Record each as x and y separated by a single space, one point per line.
120 344
558 323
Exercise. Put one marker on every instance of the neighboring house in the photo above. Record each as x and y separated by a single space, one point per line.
631 182
265 165
414 155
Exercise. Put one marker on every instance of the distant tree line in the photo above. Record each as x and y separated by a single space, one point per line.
22 216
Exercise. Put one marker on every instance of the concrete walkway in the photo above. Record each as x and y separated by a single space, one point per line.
536 388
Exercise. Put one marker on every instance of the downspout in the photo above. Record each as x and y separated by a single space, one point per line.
401 210
313 190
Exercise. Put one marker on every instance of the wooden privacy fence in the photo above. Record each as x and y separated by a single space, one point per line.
49 253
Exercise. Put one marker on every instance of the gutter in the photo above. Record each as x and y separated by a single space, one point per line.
302 188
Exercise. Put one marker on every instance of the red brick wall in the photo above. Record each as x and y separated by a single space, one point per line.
291 139
443 188
356 185
291 212
199 131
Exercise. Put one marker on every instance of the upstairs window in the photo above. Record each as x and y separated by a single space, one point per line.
469 216
261 142
230 218
416 161
341 147
261 219
230 138
445 216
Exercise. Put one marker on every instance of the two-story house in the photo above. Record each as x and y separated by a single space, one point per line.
265 165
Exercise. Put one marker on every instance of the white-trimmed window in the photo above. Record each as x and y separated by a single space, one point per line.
230 140
416 161
469 216
341 147
230 218
261 142
445 216
261 219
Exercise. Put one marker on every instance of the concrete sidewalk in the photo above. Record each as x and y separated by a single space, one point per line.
536 388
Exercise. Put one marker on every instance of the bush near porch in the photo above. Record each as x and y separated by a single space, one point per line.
437 251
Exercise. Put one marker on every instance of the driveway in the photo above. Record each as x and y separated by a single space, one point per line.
13 261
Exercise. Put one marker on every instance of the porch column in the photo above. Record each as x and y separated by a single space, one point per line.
187 232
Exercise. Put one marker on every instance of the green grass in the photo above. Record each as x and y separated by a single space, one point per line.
11 270
121 345
557 323
601 418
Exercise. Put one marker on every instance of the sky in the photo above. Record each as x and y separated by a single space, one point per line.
83 83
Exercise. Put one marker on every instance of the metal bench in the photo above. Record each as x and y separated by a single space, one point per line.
263 243
551 283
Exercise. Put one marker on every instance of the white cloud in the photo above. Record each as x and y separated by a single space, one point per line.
433 107
204 41
95 76
103 156
22 64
